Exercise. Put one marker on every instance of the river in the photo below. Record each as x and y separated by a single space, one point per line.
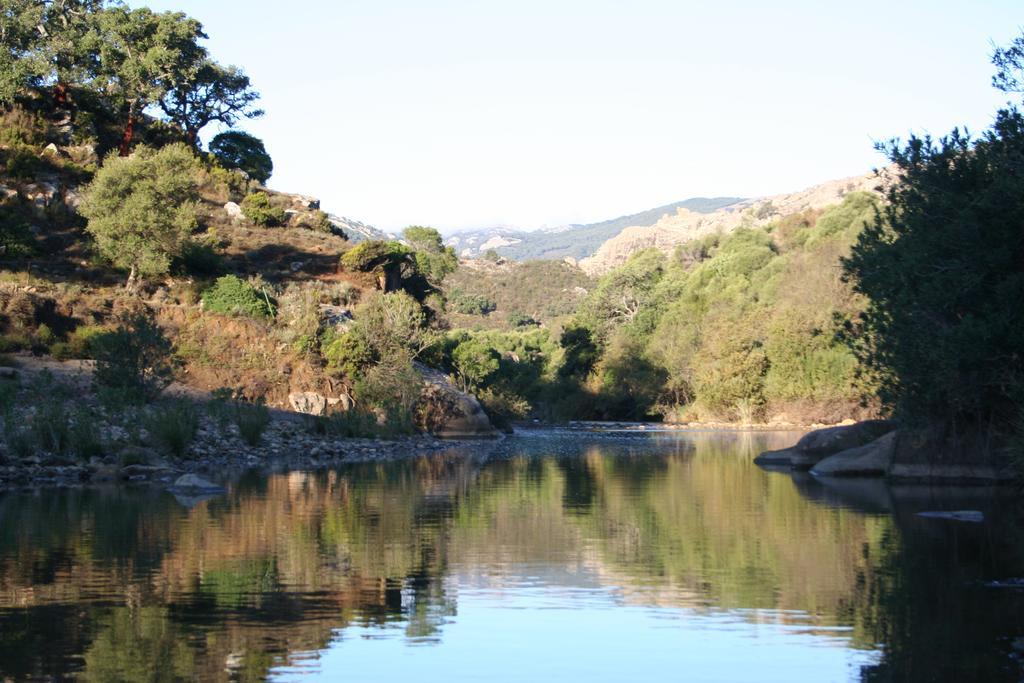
552 556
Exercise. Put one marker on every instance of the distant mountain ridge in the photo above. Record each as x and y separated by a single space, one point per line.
571 241
357 231
684 225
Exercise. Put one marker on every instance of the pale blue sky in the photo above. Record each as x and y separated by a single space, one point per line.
460 113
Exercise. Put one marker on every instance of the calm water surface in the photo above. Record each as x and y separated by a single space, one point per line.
542 558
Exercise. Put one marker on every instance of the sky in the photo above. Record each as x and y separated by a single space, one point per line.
467 114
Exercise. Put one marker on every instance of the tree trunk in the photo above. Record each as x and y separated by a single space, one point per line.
129 134
132 283
60 94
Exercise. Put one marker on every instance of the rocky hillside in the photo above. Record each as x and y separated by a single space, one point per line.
357 231
570 241
685 224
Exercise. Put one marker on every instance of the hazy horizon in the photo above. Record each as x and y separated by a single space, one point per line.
468 115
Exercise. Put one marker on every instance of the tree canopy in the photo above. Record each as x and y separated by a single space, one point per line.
141 209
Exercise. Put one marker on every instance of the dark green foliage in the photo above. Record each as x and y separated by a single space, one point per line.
173 426
581 353
235 149
518 319
258 208
943 268
15 238
470 304
252 419
231 295
199 258
133 361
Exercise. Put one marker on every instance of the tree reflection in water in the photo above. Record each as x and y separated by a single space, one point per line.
132 585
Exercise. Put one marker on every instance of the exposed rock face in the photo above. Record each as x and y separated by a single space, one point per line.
308 403
453 414
686 225
817 445
870 459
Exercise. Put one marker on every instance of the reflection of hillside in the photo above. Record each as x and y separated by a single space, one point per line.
240 582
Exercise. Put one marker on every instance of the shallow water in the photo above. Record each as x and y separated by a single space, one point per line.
541 558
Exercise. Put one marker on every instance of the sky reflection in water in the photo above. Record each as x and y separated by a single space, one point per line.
556 557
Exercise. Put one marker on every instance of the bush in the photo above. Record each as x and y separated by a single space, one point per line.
231 295
471 304
199 258
252 419
133 362
78 344
258 208
173 426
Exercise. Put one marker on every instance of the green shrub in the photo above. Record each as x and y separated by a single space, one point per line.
231 295
86 441
471 304
50 427
356 423
252 419
258 208
78 344
199 258
173 425
133 361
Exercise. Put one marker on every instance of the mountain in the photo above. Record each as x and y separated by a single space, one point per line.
570 241
685 224
357 231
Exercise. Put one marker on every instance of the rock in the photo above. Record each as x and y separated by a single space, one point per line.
51 150
7 193
130 472
42 195
308 403
870 459
194 484
956 515
815 446
8 373
335 316
234 211
452 413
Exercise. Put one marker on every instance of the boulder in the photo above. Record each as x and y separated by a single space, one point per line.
870 459
815 446
453 414
308 403
193 483
234 211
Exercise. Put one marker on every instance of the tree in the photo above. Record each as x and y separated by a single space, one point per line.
207 93
21 61
433 259
144 55
474 362
236 149
142 209
133 361
943 268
